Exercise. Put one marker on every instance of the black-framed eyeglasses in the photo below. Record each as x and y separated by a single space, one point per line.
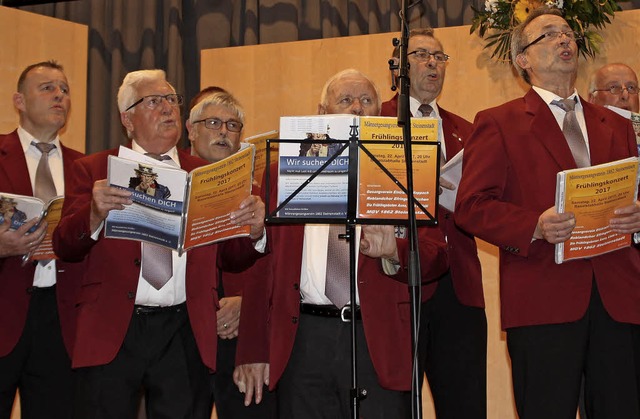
216 124
617 90
152 101
571 35
423 55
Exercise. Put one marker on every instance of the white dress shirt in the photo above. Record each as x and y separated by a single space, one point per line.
414 104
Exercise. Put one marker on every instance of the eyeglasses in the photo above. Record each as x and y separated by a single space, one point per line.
571 35
423 55
215 123
617 90
153 101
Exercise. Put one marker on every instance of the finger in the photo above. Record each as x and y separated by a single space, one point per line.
248 395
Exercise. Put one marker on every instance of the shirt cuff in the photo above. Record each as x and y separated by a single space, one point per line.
261 244
390 267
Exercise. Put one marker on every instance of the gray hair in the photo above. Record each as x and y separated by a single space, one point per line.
128 91
218 98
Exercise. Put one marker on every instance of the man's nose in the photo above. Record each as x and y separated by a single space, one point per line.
357 108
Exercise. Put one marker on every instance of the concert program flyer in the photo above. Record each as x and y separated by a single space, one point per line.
592 194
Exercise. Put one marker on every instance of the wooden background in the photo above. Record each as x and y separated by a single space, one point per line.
29 38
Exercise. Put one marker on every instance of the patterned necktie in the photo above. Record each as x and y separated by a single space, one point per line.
337 287
157 263
573 133
45 189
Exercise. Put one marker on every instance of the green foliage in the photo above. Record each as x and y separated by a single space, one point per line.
496 21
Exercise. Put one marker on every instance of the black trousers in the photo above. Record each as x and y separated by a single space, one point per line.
159 355
228 400
548 363
38 366
317 380
453 354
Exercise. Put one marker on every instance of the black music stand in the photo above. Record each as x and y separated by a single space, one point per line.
350 219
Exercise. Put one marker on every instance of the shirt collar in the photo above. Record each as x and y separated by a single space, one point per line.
26 139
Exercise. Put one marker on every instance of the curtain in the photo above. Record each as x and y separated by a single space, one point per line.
127 35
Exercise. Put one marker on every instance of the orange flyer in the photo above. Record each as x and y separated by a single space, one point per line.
593 194
260 143
52 215
217 190
378 196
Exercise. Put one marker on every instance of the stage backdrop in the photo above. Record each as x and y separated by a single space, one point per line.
28 38
286 79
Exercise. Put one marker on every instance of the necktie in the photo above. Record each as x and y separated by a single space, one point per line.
157 264
45 189
426 110
573 133
337 278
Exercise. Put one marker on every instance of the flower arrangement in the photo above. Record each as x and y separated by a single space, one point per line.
499 17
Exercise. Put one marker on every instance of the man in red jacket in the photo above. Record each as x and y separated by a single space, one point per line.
134 333
215 128
37 326
453 324
581 316
308 347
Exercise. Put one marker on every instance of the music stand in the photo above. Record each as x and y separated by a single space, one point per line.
350 218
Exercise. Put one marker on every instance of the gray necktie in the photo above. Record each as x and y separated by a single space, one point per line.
45 189
426 110
157 264
337 287
573 133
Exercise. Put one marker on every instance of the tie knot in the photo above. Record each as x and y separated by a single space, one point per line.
160 157
425 110
44 148
566 105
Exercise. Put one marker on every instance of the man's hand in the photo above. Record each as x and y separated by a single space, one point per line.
105 198
251 213
379 241
20 242
553 227
229 317
250 379
626 220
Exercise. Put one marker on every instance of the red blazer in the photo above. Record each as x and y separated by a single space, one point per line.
15 280
108 288
509 179
465 268
384 303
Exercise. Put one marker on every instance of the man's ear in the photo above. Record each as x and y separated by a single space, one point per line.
522 61
18 101
125 118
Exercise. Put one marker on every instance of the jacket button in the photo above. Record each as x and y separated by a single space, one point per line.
131 295
294 320
137 262
30 290
296 286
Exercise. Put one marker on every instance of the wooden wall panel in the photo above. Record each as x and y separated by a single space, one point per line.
28 38
286 79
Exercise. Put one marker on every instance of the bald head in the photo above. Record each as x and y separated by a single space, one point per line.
350 91
610 77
